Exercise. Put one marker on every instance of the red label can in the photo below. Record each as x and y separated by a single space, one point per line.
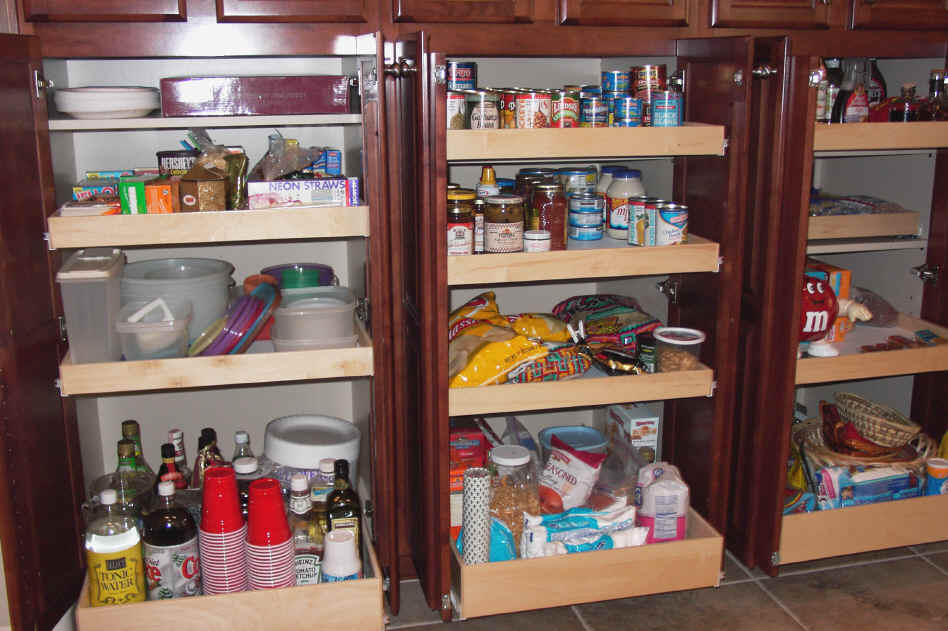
565 110
534 109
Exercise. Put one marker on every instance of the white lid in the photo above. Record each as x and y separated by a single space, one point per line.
679 336
166 488
327 300
175 434
91 264
241 437
537 235
510 455
299 482
303 440
327 466
108 496
244 465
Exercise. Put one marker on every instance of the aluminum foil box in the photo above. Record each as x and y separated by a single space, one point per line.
260 95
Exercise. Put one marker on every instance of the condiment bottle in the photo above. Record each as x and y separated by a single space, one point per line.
305 530
488 182
170 548
549 213
176 438
242 445
503 224
876 89
625 185
114 555
852 103
343 510
461 221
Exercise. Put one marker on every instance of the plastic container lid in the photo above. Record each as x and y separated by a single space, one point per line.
178 270
510 455
679 336
166 488
628 174
108 496
245 465
299 482
302 440
336 299
91 264
577 436
327 466
536 235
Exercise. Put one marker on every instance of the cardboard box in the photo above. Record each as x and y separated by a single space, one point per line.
100 188
108 175
132 194
249 95
636 425
162 196
329 163
177 161
325 192
840 279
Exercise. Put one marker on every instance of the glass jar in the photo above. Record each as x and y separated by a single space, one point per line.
461 221
625 186
479 205
514 488
503 224
482 109
549 212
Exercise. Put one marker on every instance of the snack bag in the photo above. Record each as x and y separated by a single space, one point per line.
563 363
579 530
608 318
568 477
541 326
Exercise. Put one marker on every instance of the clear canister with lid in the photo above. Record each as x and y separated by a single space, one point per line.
548 212
461 221
483 109
503 224
514 487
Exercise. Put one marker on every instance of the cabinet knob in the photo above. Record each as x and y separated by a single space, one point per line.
927 273
401 68
763 71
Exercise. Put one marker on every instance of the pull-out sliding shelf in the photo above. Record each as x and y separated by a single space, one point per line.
880 136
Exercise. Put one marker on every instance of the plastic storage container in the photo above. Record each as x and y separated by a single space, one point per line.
296 444
327 315
577 436
677 348
90 284
306 345
154 329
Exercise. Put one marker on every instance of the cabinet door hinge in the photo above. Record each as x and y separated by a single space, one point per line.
62 328
714 386
445 601
724 146
58 384
40 84
362 310
928 273
775 559
369 80
670 288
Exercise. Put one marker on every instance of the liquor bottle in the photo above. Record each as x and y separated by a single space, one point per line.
934 108
822 94
211 436
170 548
305 530
852 104
342 506
208 456
132 431
834 79
169 470
242 445
905 109
875 85
129 481
114 554
176 438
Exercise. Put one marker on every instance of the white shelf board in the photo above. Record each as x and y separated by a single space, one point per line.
186 122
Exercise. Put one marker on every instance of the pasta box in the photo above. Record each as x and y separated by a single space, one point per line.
261 94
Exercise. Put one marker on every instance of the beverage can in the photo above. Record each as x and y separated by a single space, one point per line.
172 571
457 110
615 81
461 75
593 112
585 233
533 109
672 224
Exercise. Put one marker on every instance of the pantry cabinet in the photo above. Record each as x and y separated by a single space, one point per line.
772 13
291 11
624 12
463 11
899 14
105 11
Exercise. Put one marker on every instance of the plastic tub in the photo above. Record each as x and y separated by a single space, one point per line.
160 332
298 275
578 436
89 281
300 441
325 315
677 348
307 345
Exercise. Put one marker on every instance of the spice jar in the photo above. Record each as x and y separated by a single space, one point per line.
503 224
461 221
549 212
514 489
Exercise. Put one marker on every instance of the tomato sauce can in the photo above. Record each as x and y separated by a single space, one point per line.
666 109
647 79
508 109
462 75
615 81
593 112
533 109
672 226
565 109
457 110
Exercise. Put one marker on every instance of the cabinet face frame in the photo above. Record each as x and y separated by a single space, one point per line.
463 11
105 11
292 10
624 12
918 15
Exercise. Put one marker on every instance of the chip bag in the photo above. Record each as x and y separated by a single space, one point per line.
541 326
608 319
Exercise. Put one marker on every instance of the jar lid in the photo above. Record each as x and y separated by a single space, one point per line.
510 455
245 465
299 483
546 185
613 168
572 171
461 194
505 199
678 336
536 171
628 174
536 235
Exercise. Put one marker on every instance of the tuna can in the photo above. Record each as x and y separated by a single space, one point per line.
666 109
610 99
581 180
586 202
585 218
627 122
593 112
615 81
508 109
533 109
672 225
482 112
462 75
626 108
565 109
647 79
585 233
457 110
643 218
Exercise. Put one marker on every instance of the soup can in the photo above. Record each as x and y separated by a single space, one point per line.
593 112
565 109
666 109
508 109
615 81
533 109
647 79
462 75
457 110
672 227
627 108
585 233
588 89
482 112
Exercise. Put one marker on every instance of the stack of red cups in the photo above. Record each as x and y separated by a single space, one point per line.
222 537
269 541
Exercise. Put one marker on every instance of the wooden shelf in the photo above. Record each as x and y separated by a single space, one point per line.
862 226
873 244
355 604
508 586
298 222
584 259
863 136
186 122
258 365
583 143
592 389
851 364
830 533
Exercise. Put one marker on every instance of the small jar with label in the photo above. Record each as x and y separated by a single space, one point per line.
461 221
482 109
503 224
536 241
549 213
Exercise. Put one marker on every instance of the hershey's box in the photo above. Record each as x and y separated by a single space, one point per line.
339 191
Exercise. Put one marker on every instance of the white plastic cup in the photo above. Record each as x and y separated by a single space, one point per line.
340 558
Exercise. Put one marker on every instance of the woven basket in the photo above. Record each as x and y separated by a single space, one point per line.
878 423
809 436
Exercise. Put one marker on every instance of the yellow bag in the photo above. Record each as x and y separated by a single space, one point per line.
796 478
943 446
543 326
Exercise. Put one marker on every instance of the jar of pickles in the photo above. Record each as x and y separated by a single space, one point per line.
503 224
548 212
461 221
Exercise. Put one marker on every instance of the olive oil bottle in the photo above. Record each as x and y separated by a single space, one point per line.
343 510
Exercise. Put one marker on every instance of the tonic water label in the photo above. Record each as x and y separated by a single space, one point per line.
116 578
172 571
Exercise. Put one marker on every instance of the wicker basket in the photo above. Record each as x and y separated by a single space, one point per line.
809 436
878 423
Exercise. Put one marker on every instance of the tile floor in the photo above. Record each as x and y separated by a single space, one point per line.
902 588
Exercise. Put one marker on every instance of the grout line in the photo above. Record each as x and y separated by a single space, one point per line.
934 565
582 620
409 625
738 581
845 565
746 571
780 604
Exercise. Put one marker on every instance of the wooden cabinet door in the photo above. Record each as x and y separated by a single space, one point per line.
105 10
41 486
291 10
771 13
469 11
417 179
900 14
624 12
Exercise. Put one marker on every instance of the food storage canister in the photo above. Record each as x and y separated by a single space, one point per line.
154 329
327 314
577 436
677 348
514 488
90 284
296 444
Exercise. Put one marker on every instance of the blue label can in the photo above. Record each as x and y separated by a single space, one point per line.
593 112
615 81
584 233
666 109
462 75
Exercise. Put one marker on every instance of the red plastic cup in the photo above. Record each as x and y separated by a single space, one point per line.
220 509
266 519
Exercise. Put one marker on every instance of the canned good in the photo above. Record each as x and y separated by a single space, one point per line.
645 346
585 233
585 219
457 110
593 112
615 81
610 99
508 109
672 227
586 202
590 89
565 109
536 241
533 109
462 75
647 79
666 109
626 108
578 180
482 112
643 219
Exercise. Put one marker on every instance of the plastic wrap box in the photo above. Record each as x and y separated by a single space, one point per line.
340 191
250 95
